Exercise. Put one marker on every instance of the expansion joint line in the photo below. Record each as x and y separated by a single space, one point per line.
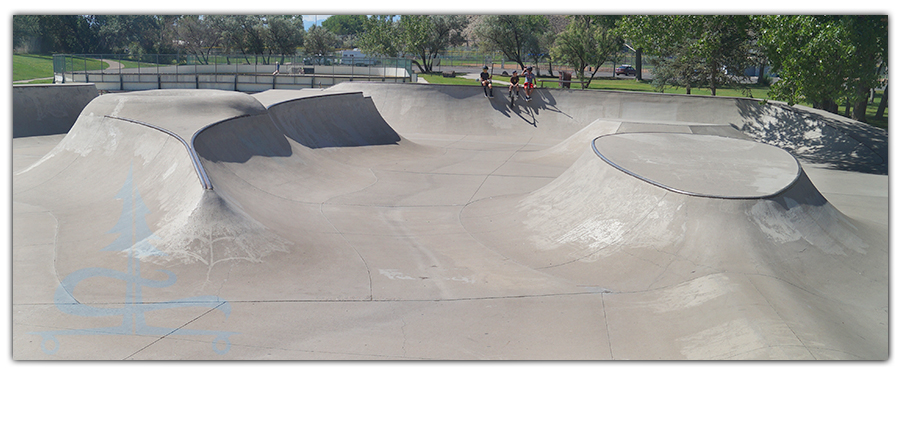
488 176
606 321
173 331
361 258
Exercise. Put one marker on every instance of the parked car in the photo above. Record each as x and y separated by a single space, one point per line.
625 70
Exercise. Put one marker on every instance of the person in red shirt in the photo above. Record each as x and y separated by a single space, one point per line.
529 83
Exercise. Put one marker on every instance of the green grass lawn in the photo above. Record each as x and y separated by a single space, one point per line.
32 66
27 66
872 108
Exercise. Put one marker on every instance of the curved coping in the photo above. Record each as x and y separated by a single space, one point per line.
323 95
195 159
689 193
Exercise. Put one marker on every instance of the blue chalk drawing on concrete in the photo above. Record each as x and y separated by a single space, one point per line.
133 236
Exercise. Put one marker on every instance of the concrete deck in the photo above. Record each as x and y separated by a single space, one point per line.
426 222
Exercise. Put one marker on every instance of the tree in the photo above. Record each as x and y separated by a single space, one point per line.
135 35
319 41
826 59
26 31
587 41
681 70
345 25
67 34
198 35
512 35
709 50
425 36
381 36
879 114
246 34
285 34
546 41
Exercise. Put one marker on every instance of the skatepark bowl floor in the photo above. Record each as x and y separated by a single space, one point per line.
373 221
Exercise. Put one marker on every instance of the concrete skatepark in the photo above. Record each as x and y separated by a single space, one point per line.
376 221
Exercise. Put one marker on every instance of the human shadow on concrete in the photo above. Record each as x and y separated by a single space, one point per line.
527 110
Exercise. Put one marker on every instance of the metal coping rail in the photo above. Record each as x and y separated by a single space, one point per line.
690 193
195 159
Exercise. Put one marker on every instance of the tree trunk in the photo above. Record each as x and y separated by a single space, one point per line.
862 101
882 105
761 78
828 105
586 84
638 64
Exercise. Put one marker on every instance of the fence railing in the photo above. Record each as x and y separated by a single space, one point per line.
68 63
255 72
247 73
468 58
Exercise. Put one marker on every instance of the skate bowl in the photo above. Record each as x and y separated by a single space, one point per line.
375 221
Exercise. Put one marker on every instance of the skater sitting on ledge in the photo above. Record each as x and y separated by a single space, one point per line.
486 82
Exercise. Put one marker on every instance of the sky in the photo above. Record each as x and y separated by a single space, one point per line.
309 20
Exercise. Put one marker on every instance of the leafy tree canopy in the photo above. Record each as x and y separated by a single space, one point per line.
587 41
320 41
694 50
425 36
345 24
513 35
381 36
825 59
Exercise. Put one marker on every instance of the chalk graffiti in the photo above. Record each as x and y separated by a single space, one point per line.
133 236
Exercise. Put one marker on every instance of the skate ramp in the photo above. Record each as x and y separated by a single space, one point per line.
554 114
356 223
704 243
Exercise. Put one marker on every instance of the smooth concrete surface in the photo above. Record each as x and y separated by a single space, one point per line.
425 222
709 166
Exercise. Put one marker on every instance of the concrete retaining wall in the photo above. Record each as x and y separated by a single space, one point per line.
44 109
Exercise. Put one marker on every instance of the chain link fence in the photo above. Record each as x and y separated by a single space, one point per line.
113 72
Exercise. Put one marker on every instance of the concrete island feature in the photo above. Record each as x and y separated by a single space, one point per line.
379 221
